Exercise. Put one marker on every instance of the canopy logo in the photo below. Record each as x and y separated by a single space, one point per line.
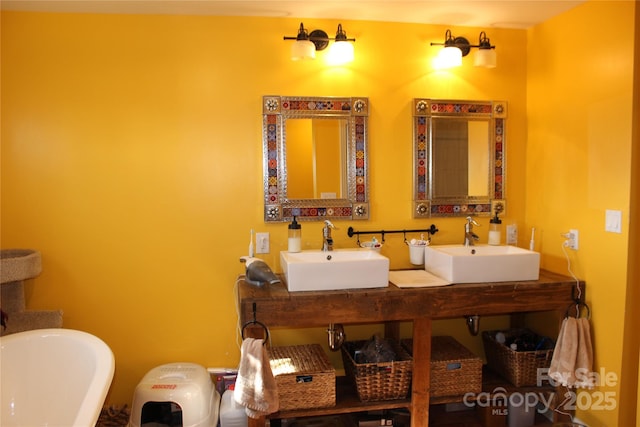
595 400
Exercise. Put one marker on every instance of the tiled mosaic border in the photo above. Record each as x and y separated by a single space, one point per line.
424 110
277 207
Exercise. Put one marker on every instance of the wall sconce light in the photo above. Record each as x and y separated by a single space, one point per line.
456 47
306 45
342 50
303 48
486 54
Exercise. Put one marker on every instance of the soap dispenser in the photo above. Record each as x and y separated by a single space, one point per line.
495 230
295 236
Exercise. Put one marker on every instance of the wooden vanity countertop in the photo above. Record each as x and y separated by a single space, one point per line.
277 307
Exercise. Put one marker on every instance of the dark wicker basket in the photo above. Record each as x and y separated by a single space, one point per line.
519 367
378 381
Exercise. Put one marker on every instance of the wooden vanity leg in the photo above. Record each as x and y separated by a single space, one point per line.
256 422
392 330
421 382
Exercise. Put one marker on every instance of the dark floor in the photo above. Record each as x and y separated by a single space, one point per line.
114 417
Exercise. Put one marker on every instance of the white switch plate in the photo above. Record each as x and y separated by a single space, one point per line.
613 221
262 243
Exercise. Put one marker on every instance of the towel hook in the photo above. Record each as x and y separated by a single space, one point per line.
578 302
256 322
576 306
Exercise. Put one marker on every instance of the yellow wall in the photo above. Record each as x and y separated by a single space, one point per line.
634 245
579 150
131 157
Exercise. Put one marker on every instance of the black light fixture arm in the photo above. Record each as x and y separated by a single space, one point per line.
320 38
463 44
484 42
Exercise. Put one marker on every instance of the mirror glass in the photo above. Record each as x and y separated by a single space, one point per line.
316 155
461 154
315 158
459 157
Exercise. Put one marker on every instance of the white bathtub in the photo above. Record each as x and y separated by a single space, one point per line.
53 377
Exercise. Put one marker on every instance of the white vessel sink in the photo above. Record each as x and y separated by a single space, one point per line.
337 269
482 263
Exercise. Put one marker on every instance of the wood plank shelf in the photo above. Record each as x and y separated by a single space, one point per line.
347 401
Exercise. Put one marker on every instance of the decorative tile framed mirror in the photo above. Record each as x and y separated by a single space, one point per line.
315 158
459 152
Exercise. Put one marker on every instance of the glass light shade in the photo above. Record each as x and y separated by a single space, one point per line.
303 49
449 57
485 58
341 52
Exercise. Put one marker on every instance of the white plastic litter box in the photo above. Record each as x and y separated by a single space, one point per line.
175 395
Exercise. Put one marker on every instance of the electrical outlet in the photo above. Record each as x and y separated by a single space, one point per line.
572 239
262 243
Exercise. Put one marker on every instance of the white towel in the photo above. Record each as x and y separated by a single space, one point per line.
584 359
415 279
572 362
255 387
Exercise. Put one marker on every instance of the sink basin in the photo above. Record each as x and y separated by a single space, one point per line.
337 269
482 263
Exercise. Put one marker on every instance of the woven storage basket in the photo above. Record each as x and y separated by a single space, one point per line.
378 381
304 376
455 370
519 367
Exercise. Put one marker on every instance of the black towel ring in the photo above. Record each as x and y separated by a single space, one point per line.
256 322
577 306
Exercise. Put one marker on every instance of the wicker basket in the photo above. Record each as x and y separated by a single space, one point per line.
455 370
519 367
304 376
378 381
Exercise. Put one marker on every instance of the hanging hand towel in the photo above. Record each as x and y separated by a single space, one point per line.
573 355
584 358
255 387
563 362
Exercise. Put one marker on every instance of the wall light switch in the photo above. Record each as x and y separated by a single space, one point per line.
262 243
613 221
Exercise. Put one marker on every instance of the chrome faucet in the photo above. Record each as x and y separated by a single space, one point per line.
327 240
469 236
